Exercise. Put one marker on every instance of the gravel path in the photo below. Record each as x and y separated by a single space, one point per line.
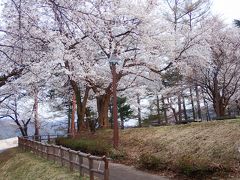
123 172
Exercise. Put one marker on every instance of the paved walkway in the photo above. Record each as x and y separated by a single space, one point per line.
8 143
123 172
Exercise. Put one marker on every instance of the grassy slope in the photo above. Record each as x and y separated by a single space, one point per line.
25 166
203 146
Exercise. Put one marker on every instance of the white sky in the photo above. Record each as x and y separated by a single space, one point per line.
227 9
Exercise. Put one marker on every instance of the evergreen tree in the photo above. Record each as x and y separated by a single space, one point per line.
237 22
124 110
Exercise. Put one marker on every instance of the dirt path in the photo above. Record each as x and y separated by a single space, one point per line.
123 172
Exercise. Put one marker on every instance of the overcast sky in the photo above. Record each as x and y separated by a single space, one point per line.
228 9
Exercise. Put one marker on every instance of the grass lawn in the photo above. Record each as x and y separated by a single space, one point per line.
15 165
204 148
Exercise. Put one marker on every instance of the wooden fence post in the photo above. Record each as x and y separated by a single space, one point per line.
41 150
61 155
47 146
70 156
80 160
91 174
54 157
106 168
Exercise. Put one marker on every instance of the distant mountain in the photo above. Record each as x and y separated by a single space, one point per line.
9 129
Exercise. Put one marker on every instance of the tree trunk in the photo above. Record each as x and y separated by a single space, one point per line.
158 111
237 107
69 116
206 106
219 106
73 114
175 114
111 113
102 106
122 122
81 107
198 103
23 130
139 111
36 119
173 110
164 110
179 108
192 103
81 104
184 109
207 109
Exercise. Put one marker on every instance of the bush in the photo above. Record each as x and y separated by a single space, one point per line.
95 147
151 162
118 154
195 168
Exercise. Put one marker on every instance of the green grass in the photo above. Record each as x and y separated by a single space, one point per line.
26 166
94 147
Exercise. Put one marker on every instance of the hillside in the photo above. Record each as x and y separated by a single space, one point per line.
25 166
203 148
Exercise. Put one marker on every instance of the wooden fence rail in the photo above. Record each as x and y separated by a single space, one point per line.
85 163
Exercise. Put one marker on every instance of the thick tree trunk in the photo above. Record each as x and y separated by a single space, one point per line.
81 107
139 111
219 106
102 106
192 103
198 103
81 104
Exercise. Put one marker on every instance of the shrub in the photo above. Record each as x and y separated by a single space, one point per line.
151 162
195 167
95 147
118 154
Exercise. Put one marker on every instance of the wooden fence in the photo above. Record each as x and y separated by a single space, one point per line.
85 163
